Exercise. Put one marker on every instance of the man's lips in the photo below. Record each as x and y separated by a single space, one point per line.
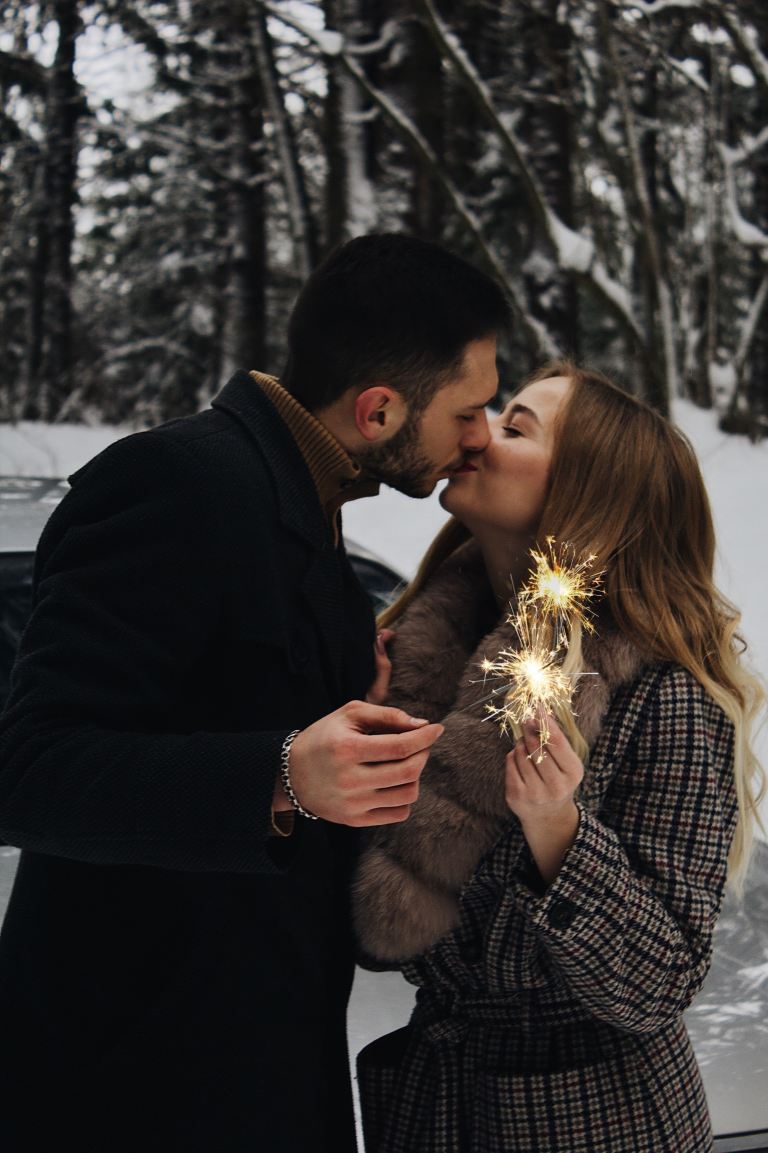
465 466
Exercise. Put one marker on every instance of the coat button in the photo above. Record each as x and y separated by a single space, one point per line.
561 913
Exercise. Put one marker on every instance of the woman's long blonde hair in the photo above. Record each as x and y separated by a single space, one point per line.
625 484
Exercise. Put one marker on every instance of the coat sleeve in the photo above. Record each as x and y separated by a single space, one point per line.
127 591
628 921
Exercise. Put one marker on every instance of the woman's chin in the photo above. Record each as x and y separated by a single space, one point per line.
452 503
446 497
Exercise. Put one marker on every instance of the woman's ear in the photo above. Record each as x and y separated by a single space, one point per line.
379 412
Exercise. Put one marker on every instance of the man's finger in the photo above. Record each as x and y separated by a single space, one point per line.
406 794
388 775
382 718
375 749
385 816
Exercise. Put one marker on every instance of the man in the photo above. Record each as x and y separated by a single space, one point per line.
176 957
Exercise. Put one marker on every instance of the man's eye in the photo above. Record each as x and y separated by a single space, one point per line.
467 419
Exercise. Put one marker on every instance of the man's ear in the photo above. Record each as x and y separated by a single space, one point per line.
379 412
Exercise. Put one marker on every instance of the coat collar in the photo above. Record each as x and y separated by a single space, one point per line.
299 507
411 876
297 498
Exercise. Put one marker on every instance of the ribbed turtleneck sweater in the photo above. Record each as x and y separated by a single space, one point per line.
337 476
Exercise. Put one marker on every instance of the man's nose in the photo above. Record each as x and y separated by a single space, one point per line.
477 435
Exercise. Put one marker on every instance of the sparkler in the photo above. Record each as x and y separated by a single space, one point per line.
562 587
554 599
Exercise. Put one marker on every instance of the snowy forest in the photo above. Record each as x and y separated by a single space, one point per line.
171 170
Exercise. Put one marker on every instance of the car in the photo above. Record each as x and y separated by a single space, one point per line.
728 1021
25 505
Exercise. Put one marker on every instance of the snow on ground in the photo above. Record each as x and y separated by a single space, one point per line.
28 449
399 529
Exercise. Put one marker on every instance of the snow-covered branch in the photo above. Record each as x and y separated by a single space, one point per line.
662 290
689 70
746 41
326 41
654 7
574 251
743 36
750 146
299 216
750 326
386 39
746 233
539 337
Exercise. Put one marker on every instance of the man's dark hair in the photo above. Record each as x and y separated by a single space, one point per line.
392 308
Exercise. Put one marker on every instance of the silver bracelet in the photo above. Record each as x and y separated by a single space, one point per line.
285 776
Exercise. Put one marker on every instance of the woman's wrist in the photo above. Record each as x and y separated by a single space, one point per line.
552 817
549 835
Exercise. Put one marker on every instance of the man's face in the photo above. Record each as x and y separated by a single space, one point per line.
451 428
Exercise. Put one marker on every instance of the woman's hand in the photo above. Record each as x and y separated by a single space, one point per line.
379 690
540 792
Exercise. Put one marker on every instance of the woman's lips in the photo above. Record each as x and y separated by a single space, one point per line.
466 466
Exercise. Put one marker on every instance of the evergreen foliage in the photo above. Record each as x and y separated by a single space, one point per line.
171 170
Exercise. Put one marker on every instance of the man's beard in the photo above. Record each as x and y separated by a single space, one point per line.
401 463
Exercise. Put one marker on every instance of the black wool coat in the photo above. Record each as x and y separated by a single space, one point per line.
172 977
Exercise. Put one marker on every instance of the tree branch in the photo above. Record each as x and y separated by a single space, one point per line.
575 252
332 44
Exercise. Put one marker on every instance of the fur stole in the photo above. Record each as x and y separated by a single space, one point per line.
410 875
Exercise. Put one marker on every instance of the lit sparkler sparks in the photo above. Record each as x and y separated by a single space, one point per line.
534 683
553 600
562 587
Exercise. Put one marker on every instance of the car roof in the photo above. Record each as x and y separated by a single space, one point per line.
26 503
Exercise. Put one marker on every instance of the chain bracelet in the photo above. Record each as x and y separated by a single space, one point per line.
285 776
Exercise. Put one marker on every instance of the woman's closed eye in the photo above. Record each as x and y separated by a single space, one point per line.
510 428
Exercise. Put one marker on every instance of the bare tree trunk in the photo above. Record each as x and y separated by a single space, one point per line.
64 108
300 220
414 80
758 361
242 341
350 201
709 345
663 384
547 132
34 404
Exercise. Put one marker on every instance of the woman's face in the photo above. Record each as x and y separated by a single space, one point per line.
505 487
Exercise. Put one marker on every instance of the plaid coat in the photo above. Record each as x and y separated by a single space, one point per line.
550 1019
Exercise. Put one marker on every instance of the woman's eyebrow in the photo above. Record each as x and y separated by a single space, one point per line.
521 410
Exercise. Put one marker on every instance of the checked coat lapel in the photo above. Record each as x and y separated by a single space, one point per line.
298 505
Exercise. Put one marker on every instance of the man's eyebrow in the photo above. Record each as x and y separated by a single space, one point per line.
522 410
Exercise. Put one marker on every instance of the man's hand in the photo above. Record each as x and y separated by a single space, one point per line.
361 765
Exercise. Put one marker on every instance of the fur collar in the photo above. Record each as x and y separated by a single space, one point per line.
411 875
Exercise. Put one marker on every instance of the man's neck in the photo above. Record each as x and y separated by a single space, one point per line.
337 476
340 423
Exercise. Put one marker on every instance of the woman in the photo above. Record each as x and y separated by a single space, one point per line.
557 913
